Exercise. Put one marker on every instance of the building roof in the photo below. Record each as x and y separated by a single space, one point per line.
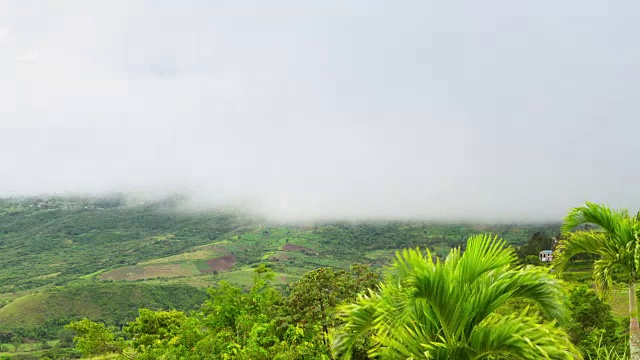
547 251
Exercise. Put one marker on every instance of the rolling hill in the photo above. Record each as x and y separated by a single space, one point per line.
64 258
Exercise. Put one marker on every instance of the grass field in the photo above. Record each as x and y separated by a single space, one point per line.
620 302
197 253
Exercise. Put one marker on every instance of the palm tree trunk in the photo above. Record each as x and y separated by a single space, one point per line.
634 329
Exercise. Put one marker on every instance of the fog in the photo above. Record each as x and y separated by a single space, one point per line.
444 110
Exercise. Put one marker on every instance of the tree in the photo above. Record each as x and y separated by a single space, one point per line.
434 309
537 243
615 240
154 328
96 339
314 297
593 327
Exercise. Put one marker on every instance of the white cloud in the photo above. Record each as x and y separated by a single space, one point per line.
30 55
419 109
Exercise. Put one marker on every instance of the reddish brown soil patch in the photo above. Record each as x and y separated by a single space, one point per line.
222 263
298 248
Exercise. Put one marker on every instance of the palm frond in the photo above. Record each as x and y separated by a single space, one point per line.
484 253
603 277
530 283
582 242
360 318
427 309
595 214
521 337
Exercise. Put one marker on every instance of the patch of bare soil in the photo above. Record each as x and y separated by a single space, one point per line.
222 263
298 248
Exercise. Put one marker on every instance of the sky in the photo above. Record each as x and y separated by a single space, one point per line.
442 110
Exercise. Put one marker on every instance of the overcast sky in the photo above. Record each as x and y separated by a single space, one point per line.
483 110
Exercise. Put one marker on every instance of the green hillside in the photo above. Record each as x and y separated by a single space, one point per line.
62 259
290 251
54 240
45 241
43 314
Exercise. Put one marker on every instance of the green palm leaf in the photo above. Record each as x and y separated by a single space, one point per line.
615 242
428 309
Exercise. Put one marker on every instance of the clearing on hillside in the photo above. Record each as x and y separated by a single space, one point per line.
279 256
139 272
199 253
222 263
297 248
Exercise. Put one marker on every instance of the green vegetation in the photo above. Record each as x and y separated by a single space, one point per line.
503 311
42 314
233 324
593 326
128 266
52 241
448 309
615 241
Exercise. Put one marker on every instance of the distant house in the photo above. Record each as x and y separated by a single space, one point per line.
546 255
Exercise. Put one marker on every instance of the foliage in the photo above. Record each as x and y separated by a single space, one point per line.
538 242
591 320
54 250
447 309
42 315
615 241
45 241
598 350
232 324
313 298
94 338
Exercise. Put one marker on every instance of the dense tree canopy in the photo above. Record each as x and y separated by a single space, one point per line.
233 324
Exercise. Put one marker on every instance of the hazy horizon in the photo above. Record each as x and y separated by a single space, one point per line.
482 111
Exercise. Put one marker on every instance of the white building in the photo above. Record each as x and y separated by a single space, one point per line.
546 255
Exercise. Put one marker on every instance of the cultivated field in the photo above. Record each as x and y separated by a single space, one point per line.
144 272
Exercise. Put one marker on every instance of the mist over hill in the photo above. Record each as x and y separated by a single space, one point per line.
421 110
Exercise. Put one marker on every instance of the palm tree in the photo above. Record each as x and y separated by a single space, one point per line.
434 309
615 241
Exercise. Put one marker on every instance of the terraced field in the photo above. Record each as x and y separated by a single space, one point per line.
290 251
201 259
233 259
144 272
